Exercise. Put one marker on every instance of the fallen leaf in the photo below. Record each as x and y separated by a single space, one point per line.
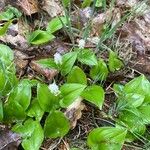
52 7
73 112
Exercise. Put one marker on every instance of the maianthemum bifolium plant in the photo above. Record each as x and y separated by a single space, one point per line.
20 107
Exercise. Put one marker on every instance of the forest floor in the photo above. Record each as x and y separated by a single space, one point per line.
119 25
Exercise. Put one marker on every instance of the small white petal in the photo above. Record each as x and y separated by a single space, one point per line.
54 89
58 58
81 44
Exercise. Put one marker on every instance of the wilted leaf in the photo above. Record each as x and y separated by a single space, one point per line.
56 125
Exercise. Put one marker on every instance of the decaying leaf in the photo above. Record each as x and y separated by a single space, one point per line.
52 7
9 140
73 111
48 73
29 7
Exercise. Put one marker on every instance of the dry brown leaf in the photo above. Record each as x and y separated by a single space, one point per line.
48 73
9 140
29 7
52 7
73 111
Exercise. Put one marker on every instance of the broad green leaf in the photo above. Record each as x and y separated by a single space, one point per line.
68 61
56 125
35 110
13 111
139 85
56 24
21 94
133 123
32 134
46 99
134 99
106 138
70 92
10 13
94 94
40 37
6 54
1 110
4 29
145 113
114 62
77 76
87 56
47 63
99 71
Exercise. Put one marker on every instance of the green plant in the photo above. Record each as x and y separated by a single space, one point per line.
40 36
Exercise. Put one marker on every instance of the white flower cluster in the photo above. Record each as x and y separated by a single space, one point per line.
81 44
58 58
54 89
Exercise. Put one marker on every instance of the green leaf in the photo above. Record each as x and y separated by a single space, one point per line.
10 13
86 3
47 63
139 85
13 111
133 123
1 110
56 24
66 3
70 92
99 71
40 37
4 29
114 62
145 113
56 125
21 94
46 99
32 134
77 76
94 94
35 110
106 138
118 89
99 3
68 61
87 56
6 55
134 99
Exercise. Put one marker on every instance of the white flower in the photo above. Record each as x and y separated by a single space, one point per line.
58 58
54 89
81 44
